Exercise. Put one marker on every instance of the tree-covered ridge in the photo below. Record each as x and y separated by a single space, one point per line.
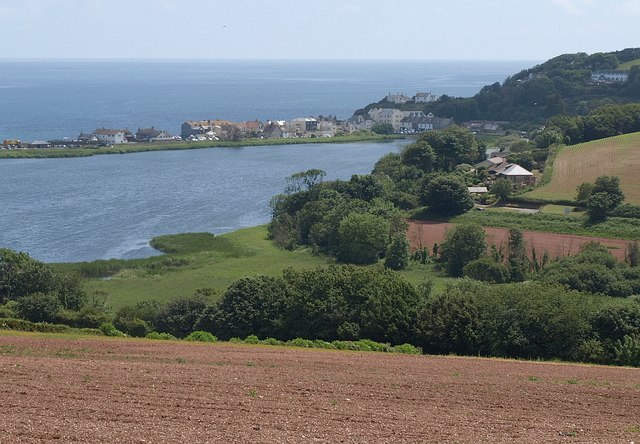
561 85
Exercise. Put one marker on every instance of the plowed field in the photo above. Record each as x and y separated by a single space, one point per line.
137 391
426 233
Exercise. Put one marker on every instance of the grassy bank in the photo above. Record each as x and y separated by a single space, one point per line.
169 146
201 260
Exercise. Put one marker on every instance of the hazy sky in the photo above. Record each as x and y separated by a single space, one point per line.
315 29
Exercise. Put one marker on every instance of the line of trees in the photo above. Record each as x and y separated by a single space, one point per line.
534 319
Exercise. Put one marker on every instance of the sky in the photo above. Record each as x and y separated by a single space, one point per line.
314 29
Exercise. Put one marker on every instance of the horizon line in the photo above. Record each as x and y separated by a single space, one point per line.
223 59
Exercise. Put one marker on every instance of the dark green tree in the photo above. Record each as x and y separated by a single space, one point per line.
447 195
462 245
502 188
382 128
397 257
517 256
362 238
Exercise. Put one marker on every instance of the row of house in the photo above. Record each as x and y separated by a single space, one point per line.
272 129
408 121
420 97
109 136
611 76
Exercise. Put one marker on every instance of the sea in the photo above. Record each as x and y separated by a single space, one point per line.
68 210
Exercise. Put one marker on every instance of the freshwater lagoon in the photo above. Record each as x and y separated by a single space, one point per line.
100 207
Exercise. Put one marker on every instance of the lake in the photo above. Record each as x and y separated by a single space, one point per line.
110 206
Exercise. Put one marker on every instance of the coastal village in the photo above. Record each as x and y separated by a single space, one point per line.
402 122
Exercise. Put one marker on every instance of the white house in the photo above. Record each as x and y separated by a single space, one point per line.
392 116
398 98
609 76
424 97
110 136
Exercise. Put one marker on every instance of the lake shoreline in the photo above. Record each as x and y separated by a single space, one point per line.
61 153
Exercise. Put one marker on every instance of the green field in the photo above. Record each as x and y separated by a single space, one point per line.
629 64
615 156
201 260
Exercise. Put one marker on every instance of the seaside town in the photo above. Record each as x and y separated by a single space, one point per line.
395 120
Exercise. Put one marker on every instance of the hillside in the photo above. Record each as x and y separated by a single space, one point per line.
87 390
613 156
561 85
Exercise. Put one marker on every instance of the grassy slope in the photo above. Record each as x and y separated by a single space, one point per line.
203 261
614 156
629 64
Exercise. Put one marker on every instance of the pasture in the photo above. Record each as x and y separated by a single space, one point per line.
615 156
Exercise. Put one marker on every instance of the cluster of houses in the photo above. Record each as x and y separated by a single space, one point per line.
498 167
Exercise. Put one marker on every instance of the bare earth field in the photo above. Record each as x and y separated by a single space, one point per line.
426 233
92 390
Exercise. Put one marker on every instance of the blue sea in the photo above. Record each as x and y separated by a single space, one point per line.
44 100
66 210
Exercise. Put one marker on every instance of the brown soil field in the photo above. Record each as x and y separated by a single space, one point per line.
426 233
91 390
614 156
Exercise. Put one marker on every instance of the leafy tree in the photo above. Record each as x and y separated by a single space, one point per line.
179 316
453 146
253 305
20 275
362 238
517 256
486 269
39 307
382 128
304 180
609 185
419 154
397 257
632 255
598 206
450 321
462 245
447 195
502 188
584 191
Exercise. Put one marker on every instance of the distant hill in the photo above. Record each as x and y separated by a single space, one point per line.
614 156
561 85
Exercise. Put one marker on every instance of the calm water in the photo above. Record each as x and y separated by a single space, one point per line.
46 100
64 210
110 206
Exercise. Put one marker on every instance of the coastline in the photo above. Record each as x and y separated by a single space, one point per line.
61 153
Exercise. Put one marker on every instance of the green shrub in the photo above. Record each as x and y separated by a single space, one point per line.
161 336
236 340
272 341
8 310
251 339
406 349
39 307
299 342
108 329
627 351
369 345
319 343
201 336
24 325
